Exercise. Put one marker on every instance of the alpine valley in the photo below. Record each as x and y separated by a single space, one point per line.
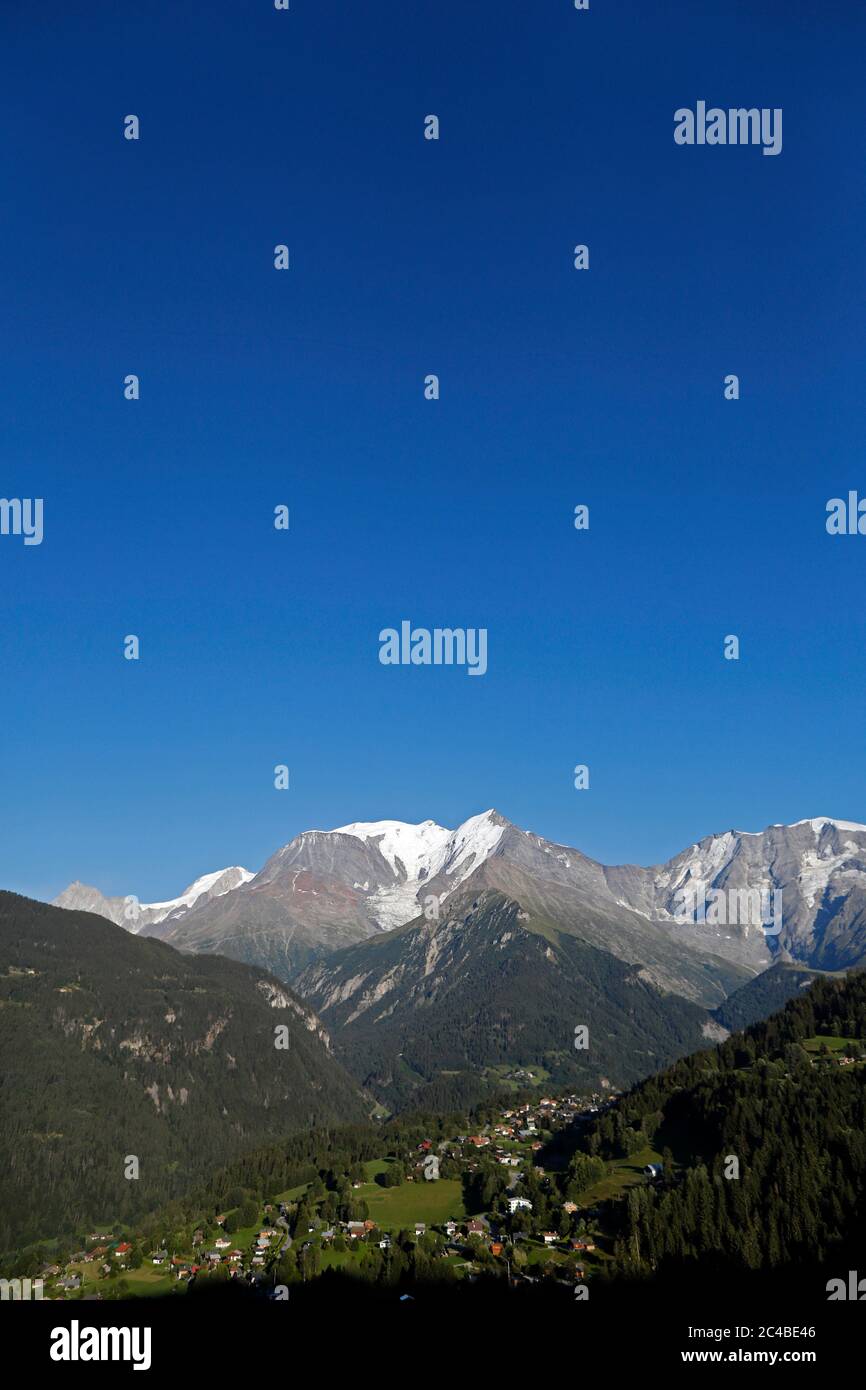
446 964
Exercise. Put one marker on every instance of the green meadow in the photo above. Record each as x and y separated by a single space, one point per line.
624 1173
832 1044
393 1208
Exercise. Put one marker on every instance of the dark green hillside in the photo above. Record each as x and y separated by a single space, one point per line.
112 1046
791 1113
764 995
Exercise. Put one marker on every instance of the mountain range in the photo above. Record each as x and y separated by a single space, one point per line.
327 890
441 959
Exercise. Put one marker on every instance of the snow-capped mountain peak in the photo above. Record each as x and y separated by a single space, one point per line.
416 854
209 885
819 823
416 847
472 842
426 849
128 912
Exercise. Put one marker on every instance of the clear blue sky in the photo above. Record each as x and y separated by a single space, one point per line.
306 388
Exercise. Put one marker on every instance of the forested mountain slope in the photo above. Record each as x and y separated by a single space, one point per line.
489 986
114 1046
765 1138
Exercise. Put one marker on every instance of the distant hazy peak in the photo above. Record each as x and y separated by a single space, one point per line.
84 898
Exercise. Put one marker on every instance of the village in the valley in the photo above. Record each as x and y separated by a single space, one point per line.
480 1201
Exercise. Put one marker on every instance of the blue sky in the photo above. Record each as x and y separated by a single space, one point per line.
305 387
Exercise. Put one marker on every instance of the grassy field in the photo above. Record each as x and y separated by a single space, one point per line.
625 1172
336 1259
292 1194
833 1044
89 1272
375 1166
143 1282
543 1254
147 1282
241 1239
591 1260
393 1208
505 1077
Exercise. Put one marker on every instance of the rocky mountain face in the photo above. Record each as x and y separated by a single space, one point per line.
817 868
487 989
114 1045
135 916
